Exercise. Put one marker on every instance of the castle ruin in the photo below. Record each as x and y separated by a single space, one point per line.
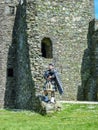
34 33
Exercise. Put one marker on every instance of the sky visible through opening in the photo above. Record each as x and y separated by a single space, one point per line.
96 9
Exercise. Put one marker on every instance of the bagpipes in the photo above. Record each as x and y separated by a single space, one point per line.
59 84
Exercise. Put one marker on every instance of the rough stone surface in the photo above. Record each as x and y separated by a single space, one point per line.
6 27
73 33
66 24
50 107
16 84
89 69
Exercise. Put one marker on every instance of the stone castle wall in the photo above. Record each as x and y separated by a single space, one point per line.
7 18
16 84
66 23
89 70
96 24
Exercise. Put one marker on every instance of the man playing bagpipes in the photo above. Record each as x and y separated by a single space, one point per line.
52 84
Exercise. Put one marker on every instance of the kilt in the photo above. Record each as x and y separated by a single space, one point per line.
49 86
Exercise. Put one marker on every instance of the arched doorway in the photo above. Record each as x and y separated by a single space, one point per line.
46 48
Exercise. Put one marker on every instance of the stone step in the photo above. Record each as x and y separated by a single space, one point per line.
78 102
52 107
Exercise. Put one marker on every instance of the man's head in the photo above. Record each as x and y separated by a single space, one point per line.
51 66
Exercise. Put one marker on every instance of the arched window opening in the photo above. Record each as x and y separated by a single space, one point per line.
46 48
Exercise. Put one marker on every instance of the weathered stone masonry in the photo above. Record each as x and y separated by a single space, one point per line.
6 27
66 24
89 69
24 27
18 88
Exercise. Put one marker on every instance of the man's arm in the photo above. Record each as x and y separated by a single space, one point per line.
46 75
53 74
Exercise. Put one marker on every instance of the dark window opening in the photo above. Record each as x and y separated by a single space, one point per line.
10 72
12 10
46 48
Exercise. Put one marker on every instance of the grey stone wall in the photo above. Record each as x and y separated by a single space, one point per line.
96 24
23 27
87 67
66 23
89 70
16 84
25 92
6 27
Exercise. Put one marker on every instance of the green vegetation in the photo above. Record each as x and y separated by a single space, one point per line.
72 117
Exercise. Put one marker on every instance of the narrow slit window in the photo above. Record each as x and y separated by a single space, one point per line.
10 72
46 48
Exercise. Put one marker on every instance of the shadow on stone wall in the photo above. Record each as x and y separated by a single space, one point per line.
88 89
20 91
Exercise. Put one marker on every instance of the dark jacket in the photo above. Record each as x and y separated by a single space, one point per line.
55 79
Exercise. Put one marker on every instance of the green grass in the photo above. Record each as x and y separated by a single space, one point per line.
72 117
